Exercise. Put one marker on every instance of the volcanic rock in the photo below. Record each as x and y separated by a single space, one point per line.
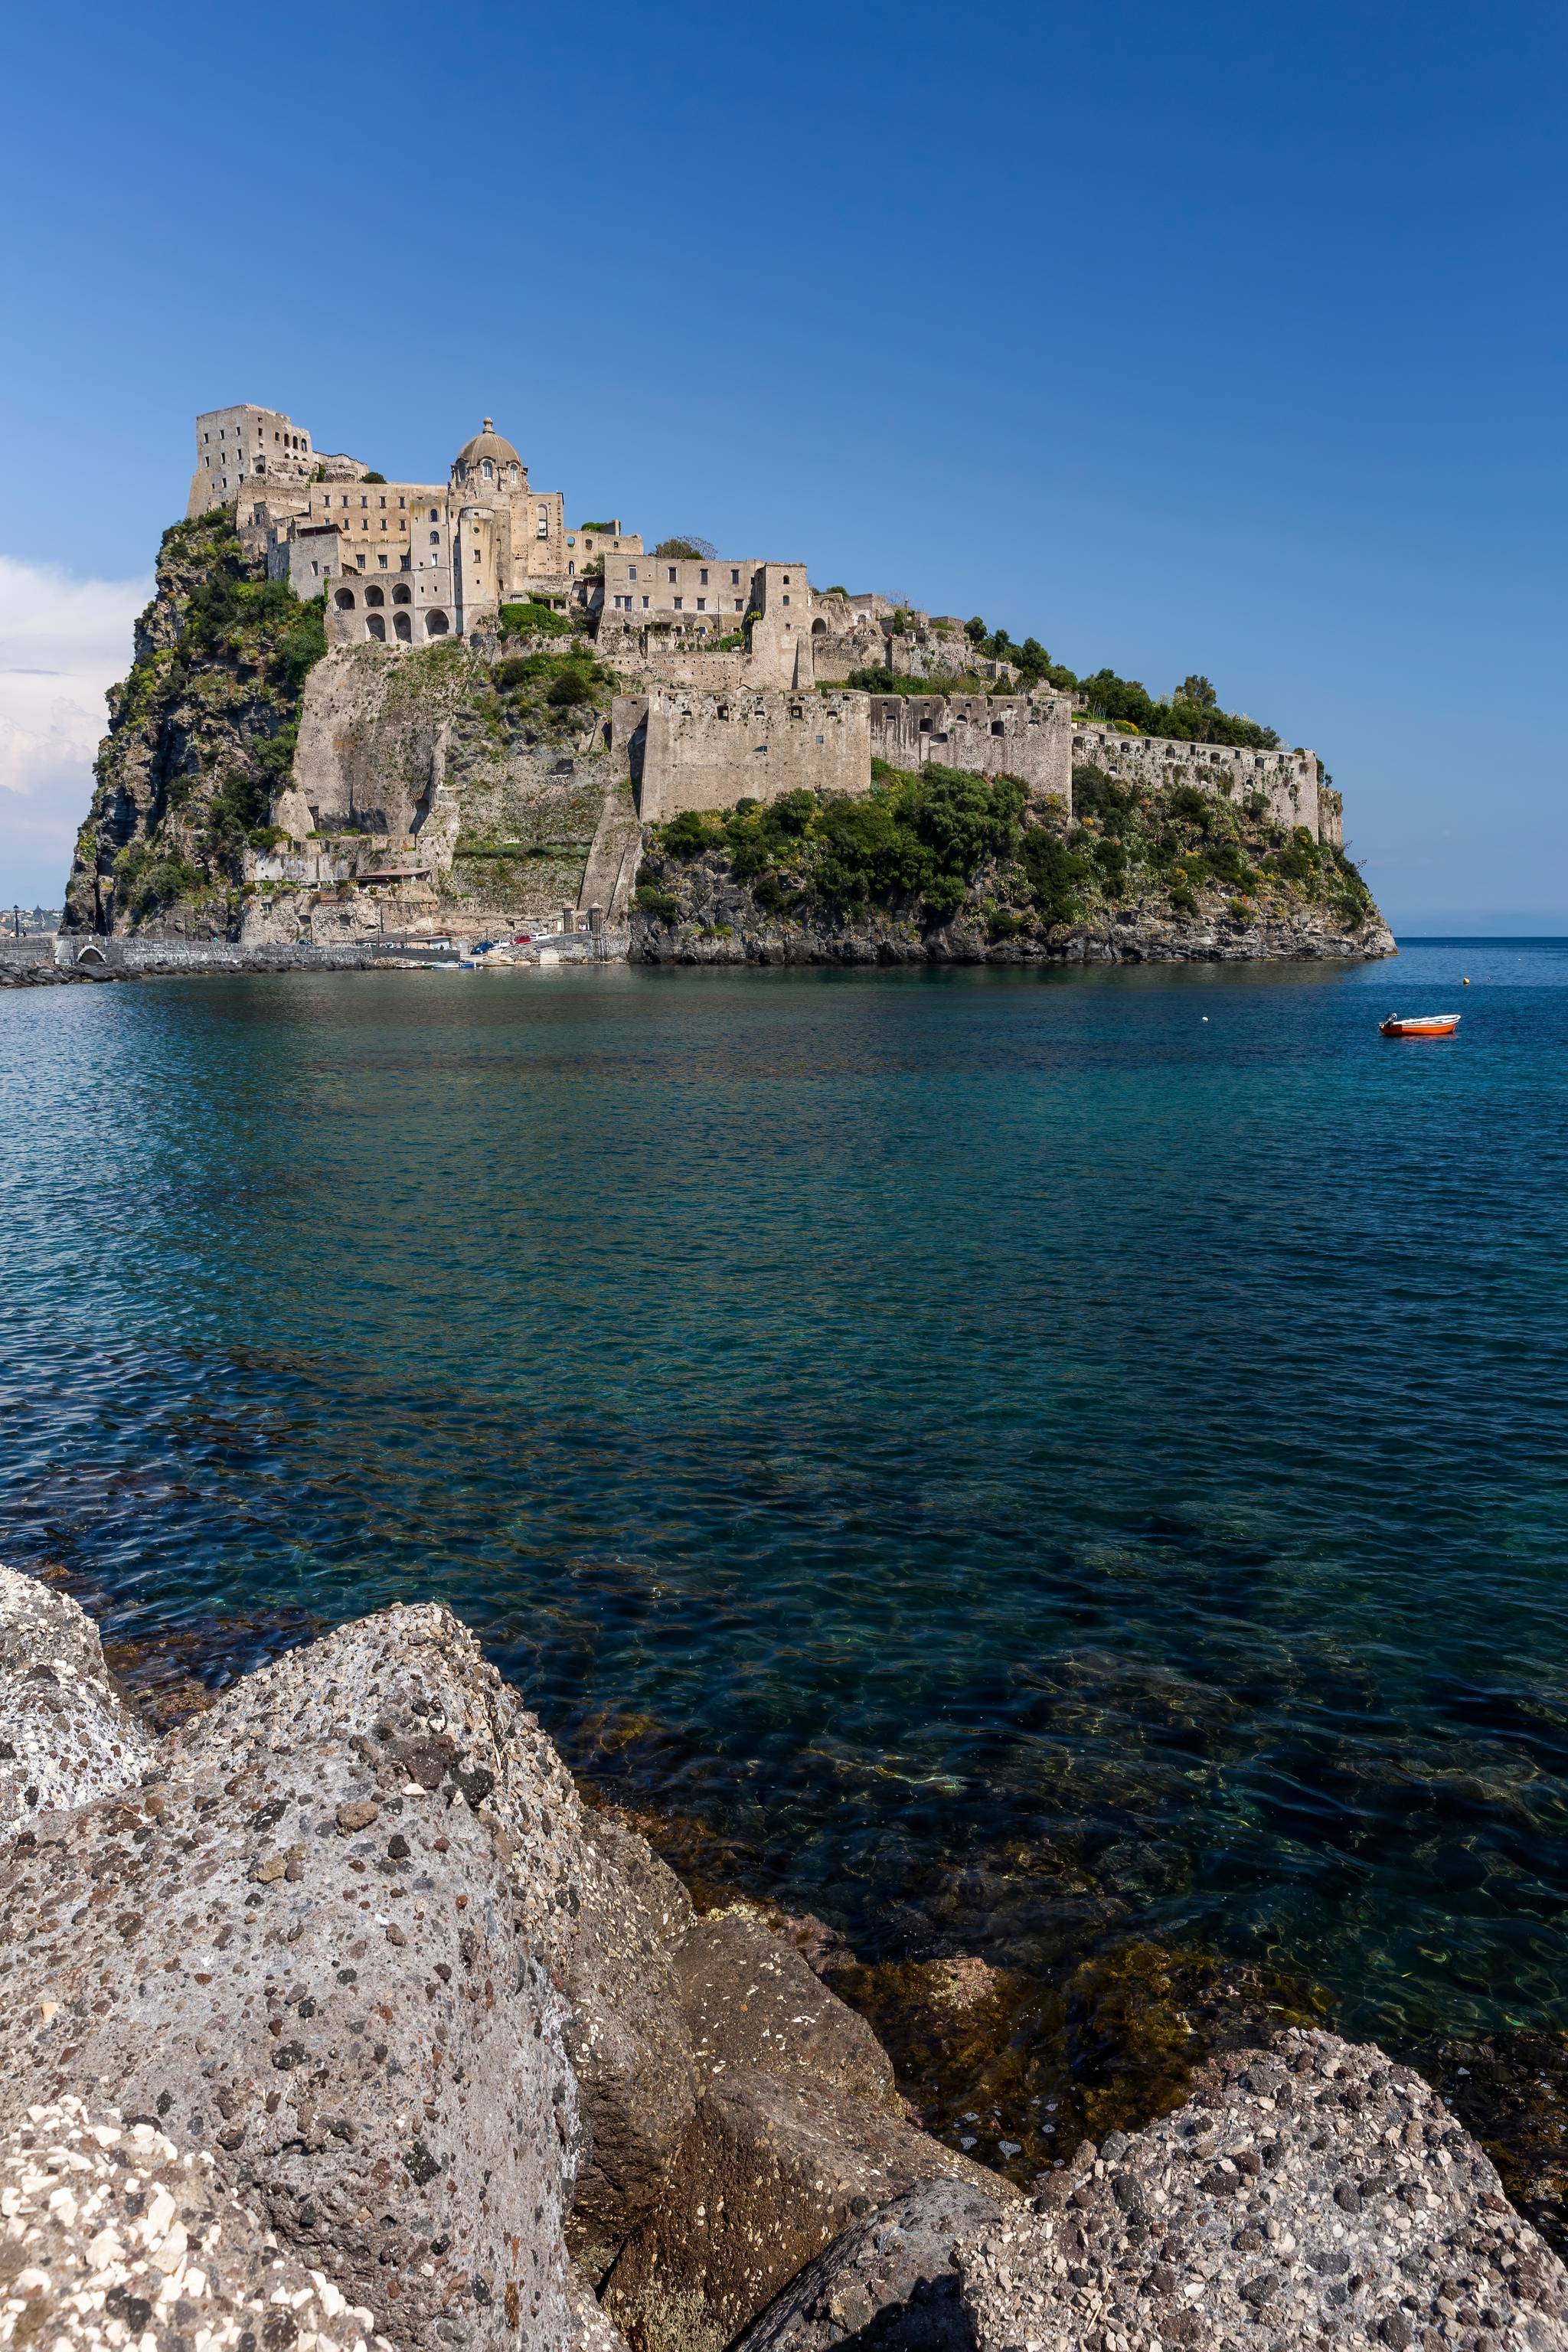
66 1734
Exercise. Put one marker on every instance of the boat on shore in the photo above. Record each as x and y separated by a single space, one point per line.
1425 1024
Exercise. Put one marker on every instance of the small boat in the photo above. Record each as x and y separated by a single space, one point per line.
1425 1024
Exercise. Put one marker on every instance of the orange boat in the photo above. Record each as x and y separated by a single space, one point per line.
1426 1024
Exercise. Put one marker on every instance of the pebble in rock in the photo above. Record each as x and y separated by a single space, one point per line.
425 1711
889 2284
305 1954
113 2237
1312 2195
66 1734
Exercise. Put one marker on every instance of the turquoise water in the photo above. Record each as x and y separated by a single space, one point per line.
1034 1459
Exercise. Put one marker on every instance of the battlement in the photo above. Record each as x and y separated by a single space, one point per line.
1287 780
691 750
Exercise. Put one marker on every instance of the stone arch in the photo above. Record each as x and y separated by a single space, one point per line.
91 955
403 627
436 624
401 595
344 600
376 626
819 628
375 596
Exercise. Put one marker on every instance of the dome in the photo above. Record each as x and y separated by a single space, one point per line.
486 442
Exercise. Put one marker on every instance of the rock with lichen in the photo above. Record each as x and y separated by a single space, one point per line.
306 1954
1312 2193
66 1734
114 2240
425 1712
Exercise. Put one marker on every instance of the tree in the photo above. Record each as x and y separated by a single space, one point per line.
687 550
976 631
1199 692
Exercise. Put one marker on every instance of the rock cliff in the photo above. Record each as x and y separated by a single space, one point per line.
255 787
944 867
333 2019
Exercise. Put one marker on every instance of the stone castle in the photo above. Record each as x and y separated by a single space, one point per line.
732 683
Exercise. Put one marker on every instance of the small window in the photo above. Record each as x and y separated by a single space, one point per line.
734 579
365 503
434 517
487 470
680 605
402 502
645 604
435 539
787 599
672 570
786 584
384 502
701 601
740 605
382 561
703 575
631 571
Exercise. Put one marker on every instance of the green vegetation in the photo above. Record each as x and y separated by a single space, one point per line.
886 681
151 880
1190 715
926 844
597 526
532 619
554 683
372 477
686 550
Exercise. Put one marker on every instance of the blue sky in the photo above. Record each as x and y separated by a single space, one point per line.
1220 338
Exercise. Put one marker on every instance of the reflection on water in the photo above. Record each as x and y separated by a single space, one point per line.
1030 1465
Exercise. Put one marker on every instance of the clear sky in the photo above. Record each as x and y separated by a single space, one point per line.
1219 338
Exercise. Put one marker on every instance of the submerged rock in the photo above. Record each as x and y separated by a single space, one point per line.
113 2237
1310 2193
66 1734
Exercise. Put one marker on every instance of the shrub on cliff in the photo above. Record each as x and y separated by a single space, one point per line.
534 620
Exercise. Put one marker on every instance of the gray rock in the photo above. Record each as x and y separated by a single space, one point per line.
1311 2193
66 1735
756 2005
113 2237
889 2284
592 1903
773 2170
310 1957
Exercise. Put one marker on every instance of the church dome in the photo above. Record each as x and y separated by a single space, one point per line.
487 444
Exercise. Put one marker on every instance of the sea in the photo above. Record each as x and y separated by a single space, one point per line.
1018 1461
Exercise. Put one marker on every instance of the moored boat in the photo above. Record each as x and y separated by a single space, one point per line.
1425 1024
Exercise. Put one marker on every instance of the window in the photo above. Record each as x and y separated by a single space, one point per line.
734 579
384 502
382 561
432 515
402 502
435 539
571 567
678 604
672 570
631 571
645 604
702 601
786 584
365 503
740 605
787 599
315 571
703 575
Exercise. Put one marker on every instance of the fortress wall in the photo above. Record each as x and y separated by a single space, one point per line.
1026 736
1331 817
707 751
1287 779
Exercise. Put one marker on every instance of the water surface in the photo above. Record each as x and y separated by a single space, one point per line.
1035 1458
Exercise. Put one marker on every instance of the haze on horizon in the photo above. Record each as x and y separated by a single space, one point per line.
1224 340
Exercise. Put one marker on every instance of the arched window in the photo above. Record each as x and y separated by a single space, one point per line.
513 476
345 600
487 470
819 628
400 595
435 624
435 539
377 627
403 627
373 596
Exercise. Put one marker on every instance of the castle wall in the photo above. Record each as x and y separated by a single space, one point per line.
703 750
1026 736
1287 780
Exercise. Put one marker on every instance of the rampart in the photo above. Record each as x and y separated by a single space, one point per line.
1288 781
691 750
1029 736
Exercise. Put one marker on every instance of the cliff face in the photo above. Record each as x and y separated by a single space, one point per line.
200 736
254 788
942 867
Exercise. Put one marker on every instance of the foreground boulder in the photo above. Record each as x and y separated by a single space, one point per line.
66 1734
110 2235
889 2284
429 1719
800 2130
1315 2194
313 1963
